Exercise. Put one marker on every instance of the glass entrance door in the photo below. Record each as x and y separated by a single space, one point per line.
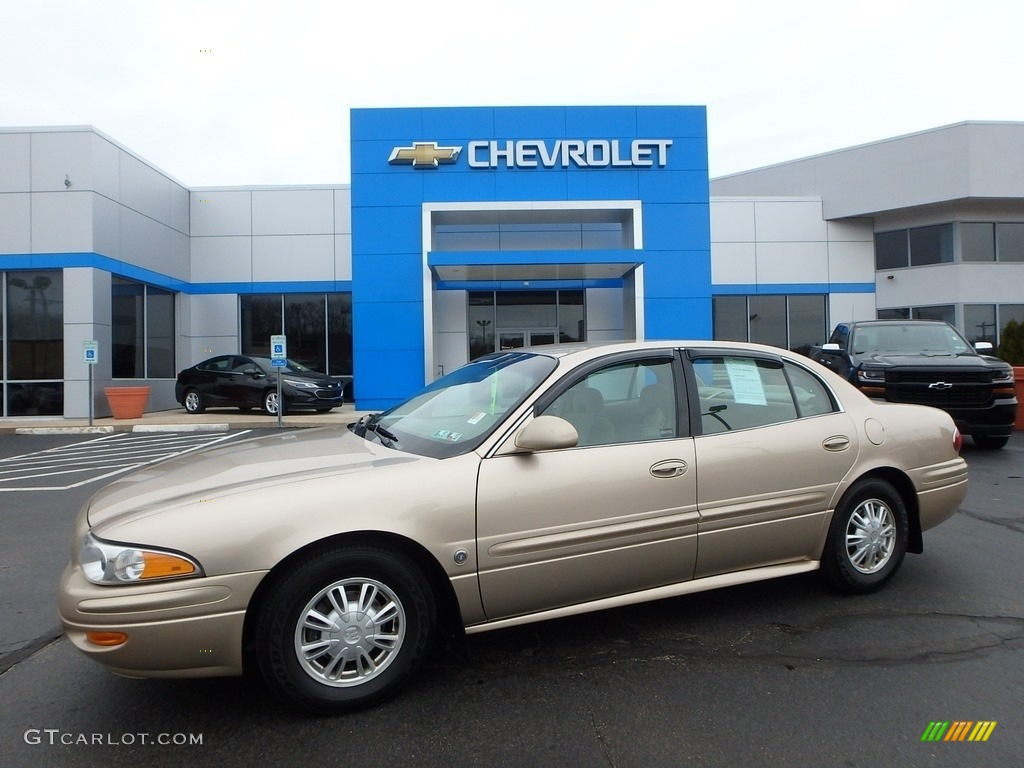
516 338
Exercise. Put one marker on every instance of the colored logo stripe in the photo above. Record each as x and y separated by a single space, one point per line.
958 730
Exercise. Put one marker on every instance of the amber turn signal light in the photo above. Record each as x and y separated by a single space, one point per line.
107 639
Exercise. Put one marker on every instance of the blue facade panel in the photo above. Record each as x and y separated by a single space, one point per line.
515 155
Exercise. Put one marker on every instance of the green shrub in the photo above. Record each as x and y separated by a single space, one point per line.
1011 343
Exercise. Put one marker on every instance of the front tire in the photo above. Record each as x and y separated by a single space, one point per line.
867 539
270 403
194 402
345 628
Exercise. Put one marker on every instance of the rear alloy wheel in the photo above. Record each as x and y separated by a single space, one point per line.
194 401
270 403
345 628
989 442
867 538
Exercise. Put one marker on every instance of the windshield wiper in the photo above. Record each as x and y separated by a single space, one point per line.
368 423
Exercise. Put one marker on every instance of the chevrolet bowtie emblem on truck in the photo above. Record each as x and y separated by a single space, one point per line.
424 154
940 385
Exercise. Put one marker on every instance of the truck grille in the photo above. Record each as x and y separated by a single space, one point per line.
969 388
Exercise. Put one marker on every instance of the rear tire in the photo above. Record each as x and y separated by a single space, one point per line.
867 539
345 628
989 442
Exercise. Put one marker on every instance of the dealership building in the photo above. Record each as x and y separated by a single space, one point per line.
469 230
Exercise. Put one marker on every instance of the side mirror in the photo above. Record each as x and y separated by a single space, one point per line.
547 433
983 346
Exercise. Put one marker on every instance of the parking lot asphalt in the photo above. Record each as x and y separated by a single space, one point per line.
778 673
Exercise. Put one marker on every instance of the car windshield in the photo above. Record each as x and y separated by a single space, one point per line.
909 339
454 414
290 366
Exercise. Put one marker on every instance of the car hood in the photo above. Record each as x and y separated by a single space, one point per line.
247 465
924 361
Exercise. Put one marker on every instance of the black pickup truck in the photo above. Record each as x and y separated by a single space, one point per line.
926 362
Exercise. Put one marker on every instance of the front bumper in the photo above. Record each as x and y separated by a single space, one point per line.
996 421
182 628
313 398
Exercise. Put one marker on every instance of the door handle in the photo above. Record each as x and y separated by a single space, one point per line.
668 468
836 443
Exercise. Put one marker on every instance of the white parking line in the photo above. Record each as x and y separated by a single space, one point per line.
101 458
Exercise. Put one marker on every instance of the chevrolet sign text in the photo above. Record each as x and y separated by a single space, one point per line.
596 153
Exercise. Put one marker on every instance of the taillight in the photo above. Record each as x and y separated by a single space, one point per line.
958 440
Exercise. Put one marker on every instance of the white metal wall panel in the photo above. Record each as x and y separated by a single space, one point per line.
62 221
792 263
732 221
221 259
293 257
62 154
293 212
733 263
15 224
220 212
15 168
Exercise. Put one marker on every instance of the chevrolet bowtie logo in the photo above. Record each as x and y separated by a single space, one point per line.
424 154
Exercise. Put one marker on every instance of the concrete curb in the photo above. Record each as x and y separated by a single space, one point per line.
64 431
222 427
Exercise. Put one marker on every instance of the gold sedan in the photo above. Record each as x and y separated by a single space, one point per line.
527 485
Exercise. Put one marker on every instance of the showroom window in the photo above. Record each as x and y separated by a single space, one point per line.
318 328
513 319
980 241
142 331
32 336
916 247
984 322
795 322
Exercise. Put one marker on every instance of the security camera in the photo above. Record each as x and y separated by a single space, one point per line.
67 181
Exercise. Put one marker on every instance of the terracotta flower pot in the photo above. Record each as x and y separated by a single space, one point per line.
127 402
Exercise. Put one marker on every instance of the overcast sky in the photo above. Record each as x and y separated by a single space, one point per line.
227 92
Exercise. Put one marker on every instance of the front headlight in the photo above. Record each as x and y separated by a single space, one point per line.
1002 376
871 375
299 384
107 562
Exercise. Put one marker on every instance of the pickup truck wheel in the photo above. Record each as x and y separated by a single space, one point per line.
867 539
988 442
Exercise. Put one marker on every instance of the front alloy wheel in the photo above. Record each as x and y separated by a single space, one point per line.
867 538
344 628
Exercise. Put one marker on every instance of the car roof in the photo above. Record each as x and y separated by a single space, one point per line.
585 350
860 323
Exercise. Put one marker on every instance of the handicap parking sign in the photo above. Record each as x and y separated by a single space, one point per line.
278 348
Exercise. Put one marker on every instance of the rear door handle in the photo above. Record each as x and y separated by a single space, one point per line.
836 443
669 468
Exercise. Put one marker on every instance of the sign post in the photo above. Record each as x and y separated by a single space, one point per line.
278 359
90 355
